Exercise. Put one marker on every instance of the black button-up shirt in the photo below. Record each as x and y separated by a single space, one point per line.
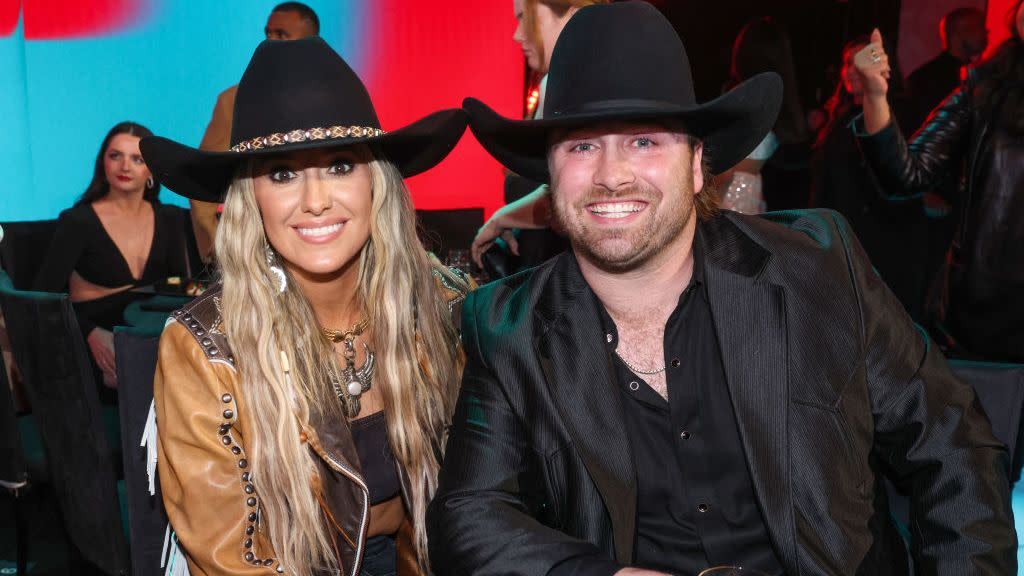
696 505
695 499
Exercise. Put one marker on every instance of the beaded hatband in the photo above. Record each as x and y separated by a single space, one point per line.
318 133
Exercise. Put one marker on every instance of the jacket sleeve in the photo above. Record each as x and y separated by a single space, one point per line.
934 437
930 159
204 483
482 518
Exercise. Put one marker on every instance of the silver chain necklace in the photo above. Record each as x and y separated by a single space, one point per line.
638 370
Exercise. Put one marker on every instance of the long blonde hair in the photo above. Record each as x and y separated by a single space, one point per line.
409 324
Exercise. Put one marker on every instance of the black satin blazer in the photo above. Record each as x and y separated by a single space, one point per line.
830 381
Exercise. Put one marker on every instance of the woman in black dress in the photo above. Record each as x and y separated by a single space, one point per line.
116 237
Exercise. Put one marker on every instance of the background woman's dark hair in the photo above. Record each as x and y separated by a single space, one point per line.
1000 88
99 187
840 102
762 45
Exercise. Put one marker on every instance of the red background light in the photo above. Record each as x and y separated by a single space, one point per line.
423 56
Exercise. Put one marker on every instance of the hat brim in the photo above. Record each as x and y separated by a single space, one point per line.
204 175
730 126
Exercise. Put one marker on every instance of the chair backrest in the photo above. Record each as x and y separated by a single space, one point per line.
445 230
24 249
1000 391
13 471
135 352
54 363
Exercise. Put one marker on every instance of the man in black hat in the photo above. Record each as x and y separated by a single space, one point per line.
692 387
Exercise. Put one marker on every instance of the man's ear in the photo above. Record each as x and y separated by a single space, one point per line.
697 161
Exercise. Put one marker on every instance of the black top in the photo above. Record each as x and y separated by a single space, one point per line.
81 244
696 504
370 435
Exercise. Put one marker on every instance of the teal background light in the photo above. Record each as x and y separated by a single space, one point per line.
58 98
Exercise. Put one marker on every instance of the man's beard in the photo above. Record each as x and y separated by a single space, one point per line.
627 248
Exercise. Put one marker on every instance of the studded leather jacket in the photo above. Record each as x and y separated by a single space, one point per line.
961 143
211 501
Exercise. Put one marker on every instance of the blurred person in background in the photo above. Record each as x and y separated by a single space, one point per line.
974 137
287 21
539 23
891 227
964 39
762 45
116 237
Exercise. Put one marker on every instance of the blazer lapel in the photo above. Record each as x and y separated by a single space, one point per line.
571 347
750 321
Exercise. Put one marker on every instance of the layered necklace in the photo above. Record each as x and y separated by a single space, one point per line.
357 380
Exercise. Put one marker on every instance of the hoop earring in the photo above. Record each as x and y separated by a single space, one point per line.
150 183
275 268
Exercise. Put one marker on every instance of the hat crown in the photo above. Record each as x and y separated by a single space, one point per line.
617 55
297 85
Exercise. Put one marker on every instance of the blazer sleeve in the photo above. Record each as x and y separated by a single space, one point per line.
932 155
934 437
481 520
203 482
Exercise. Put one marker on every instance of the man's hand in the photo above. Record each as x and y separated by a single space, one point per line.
101 344
872 63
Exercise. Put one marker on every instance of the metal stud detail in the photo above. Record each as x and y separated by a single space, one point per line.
228 414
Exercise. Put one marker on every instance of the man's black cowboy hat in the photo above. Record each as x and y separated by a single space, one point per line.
295 95
625 62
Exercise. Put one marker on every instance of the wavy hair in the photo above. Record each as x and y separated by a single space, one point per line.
411 332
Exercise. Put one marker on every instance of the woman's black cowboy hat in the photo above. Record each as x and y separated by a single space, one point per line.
625 62
295 95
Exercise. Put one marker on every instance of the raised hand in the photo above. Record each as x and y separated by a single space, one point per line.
873 65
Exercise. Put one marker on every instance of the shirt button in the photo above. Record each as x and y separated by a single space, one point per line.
702 508
634 386
608 337
675 362
685 435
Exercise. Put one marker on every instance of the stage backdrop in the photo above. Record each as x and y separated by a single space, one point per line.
73 69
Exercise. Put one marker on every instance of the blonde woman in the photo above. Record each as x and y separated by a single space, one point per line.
301 404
